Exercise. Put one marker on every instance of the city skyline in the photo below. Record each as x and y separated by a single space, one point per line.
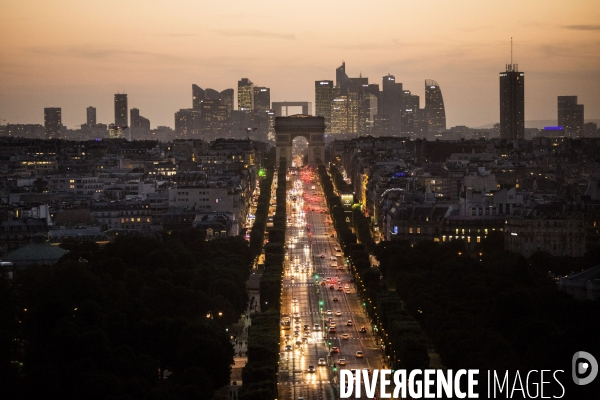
73 66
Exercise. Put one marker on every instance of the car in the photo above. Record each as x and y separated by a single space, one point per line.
322 361
359 354
332 329
335 299
286 336
322 283
363 329
335 350
288 348
306 327
329 312
294 300
340 288
331 287
317 327
311 368
332 258
296 334
338 313
349 323
345 336
342 361
322 256
347 291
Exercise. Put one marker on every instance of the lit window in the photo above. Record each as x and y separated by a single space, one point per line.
410 230
418 230
443 238
478 239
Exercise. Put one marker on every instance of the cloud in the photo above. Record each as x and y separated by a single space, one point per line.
179 34
583 27
98 53
256 33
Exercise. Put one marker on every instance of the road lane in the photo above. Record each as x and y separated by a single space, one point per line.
303 262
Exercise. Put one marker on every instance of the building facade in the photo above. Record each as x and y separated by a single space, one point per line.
570 116
324 94
245 95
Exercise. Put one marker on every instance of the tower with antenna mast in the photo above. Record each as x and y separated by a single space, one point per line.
512 101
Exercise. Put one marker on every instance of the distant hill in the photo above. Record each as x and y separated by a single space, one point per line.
539 123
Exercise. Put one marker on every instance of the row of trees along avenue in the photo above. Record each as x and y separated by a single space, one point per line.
402 341
260 373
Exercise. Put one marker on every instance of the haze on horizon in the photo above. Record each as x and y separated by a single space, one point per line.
75 54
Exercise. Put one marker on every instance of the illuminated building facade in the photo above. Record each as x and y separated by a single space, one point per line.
339 115
435 112
121 110
52 122
570 115
245 95
512 103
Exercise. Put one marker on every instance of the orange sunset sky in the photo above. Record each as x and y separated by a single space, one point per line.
78 53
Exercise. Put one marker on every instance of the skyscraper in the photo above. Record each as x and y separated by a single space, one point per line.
227 99
390 103
324 94
212 94
198 95
262 100
91 116
342 82
339 115
134 113
52 122
512 103
214 119
188 123
570 115
435 112
245 95
410 112
121 110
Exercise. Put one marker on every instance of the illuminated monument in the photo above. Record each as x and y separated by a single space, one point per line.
309 127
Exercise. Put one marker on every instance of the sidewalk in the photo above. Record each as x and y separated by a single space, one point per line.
239 332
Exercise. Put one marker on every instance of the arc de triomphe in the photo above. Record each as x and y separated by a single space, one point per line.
289 128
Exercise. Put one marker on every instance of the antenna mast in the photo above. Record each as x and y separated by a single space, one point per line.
511 51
